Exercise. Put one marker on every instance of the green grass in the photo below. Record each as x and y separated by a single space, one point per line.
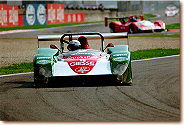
17 68
44 26
173 26
147 16
136 55
151 53
158 35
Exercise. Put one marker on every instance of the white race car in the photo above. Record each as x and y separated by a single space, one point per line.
171 11
82 64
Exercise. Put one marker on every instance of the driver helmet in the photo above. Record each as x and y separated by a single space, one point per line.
73 45
134 19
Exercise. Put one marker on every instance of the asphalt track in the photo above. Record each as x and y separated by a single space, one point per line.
154 96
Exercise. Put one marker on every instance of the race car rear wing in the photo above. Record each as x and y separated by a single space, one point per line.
105 35
88 35
114 18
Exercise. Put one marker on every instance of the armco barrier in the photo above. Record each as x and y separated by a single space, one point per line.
35 14
9 16
55 13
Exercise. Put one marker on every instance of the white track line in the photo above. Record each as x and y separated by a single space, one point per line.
20 31
15 31
131 61
16 74
155 58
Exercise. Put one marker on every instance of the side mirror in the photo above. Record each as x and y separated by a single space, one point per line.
53 46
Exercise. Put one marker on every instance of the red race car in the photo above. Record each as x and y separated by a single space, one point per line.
134 24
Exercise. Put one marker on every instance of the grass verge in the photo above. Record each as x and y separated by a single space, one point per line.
151 53
17 68
158 35
136 55
173 26
147 16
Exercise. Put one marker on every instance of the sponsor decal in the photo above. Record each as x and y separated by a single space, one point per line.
3 16
55 13
43 62
35 14
9 16
46 58
41 14
82 70
120 55
79 18
30 14
82 64
13 16
60 14
119 59
51 14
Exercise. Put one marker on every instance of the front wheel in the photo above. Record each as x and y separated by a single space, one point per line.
41 82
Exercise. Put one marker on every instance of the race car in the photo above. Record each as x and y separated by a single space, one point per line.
111 63
134 24
171 10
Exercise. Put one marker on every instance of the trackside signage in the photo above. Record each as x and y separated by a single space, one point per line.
55 13
35 14
9 16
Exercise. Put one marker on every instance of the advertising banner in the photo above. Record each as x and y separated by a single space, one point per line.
74 17
80 17
9 16
68 18
55 13
35 14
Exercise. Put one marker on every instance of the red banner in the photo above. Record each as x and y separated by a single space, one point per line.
55 13
9 16
80 17
74 17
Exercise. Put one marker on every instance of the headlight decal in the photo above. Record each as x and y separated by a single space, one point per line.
43 62
120 59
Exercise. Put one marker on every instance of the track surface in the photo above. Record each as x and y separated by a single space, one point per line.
154 96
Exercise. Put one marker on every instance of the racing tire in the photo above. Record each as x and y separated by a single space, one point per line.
41 83
124 76
112 28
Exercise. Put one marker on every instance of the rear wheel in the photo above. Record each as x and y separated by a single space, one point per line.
131 29
112 28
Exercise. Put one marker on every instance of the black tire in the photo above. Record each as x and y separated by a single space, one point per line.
131 29
112 28
41 83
